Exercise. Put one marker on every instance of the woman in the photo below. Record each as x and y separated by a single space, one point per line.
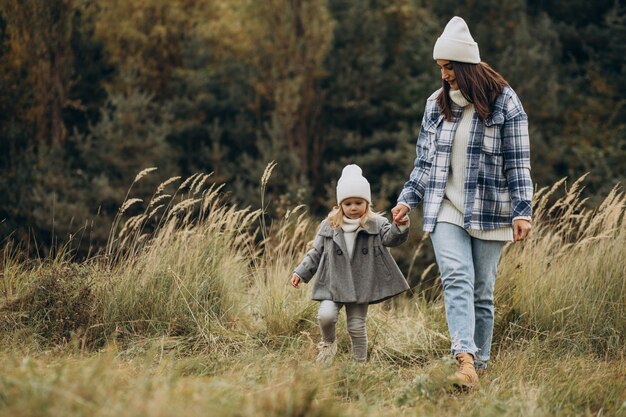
473 173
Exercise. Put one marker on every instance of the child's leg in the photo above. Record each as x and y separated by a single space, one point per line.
327 318
355 318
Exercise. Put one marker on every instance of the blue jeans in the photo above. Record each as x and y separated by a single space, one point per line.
468 269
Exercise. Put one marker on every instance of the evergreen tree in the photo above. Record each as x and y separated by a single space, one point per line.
130 137
254 98
594 124
292 40
39 45
380 74
93 91
46 92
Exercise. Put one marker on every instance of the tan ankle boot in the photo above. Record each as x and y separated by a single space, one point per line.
466 376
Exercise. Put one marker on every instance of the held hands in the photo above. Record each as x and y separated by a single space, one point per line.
399 213
521 228
295 281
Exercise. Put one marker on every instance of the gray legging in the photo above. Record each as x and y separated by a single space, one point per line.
355 319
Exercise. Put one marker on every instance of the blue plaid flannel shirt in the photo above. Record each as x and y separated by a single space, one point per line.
497 185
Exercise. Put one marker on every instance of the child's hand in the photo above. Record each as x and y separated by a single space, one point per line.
403 221
295 281
399 213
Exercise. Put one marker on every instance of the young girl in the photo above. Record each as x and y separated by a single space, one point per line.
353 267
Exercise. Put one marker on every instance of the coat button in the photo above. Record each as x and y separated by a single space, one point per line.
339 252
364 251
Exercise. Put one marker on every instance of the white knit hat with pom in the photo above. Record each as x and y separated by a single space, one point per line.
456 43
353 184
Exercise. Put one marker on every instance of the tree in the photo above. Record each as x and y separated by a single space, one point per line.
251 81
130 137
145 40
43 96
38 45
290 41
380 74
559 59
594 126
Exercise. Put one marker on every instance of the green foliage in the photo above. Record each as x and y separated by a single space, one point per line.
145 41
376 94
129 137
595 127
51 72
91 92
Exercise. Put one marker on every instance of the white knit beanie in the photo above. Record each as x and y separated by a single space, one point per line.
353 184
456 43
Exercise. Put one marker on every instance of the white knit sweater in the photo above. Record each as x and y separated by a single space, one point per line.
452 206
349 227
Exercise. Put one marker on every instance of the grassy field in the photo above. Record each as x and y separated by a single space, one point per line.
188 312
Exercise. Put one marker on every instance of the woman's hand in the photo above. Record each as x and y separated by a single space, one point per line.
521 228
295 281
399 213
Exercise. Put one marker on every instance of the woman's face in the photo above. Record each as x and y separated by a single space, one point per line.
354 207
447 73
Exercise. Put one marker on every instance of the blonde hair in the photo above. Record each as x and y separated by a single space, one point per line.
335 217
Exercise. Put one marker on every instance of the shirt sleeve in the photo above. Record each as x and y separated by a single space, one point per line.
516 153
413 191
308 267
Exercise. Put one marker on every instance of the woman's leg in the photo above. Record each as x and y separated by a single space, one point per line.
486 254
453 252
355 320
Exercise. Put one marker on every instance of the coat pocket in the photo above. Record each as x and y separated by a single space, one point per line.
321 270
382 267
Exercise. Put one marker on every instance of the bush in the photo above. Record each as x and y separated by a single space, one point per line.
57 306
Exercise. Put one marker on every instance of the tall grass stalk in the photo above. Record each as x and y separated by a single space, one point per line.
407 331
187 277
569 277
282 309
191 314
127 203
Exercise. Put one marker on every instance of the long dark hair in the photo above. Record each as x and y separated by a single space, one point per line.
479 83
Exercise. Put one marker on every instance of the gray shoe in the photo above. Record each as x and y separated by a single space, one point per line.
327 351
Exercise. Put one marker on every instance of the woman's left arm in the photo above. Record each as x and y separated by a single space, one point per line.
516 153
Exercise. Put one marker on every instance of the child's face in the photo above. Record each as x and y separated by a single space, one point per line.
354 207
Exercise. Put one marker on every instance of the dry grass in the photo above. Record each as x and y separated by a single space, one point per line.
189 313
569 278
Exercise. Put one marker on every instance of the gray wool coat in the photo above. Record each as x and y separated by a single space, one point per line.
371 276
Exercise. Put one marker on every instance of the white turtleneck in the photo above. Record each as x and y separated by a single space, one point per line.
349 227
454 202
